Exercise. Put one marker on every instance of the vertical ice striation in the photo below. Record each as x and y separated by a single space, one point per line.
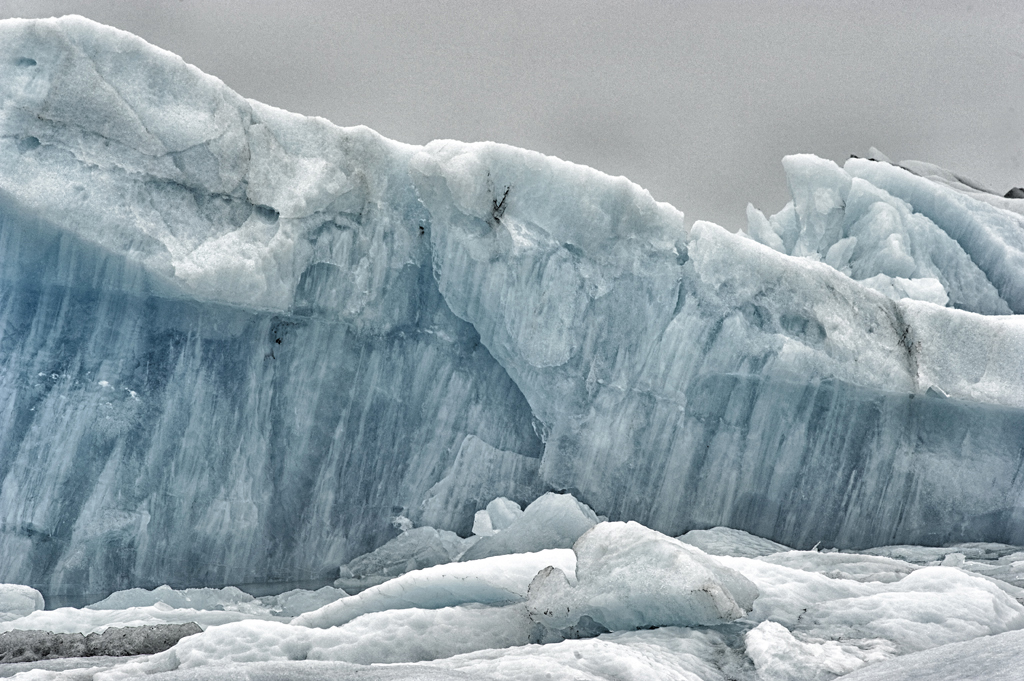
236 342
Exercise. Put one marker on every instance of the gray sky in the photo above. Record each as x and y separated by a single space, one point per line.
696 101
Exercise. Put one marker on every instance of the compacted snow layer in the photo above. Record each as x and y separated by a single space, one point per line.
237 343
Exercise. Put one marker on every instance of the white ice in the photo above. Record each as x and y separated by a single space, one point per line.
17 601
631 577
496 580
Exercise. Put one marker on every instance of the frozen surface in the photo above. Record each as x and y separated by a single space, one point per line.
725 541
236 343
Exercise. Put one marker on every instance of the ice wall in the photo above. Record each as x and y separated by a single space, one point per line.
235 341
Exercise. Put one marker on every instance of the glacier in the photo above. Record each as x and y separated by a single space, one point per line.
236 343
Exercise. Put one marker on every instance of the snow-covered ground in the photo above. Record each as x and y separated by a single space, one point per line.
625 602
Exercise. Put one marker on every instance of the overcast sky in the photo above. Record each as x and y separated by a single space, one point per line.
695 101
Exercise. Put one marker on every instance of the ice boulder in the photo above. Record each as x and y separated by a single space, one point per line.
499 514
414 549
17 601
553 521
498 580
725 541
632 577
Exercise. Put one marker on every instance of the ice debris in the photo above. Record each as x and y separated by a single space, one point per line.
551 521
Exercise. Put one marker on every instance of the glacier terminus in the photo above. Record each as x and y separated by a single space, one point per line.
237 343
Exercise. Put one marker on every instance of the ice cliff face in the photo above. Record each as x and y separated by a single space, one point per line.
235 342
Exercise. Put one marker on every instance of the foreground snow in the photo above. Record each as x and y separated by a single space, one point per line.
625 602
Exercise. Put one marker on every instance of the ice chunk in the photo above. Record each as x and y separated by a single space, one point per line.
780 656
298 601
876 238
502 513
85 621
631 577
993 238
927 289
725 541
819 188
17 601
928 607
495 580
195 599
482 524
762 230
413 549
498 515
551 521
